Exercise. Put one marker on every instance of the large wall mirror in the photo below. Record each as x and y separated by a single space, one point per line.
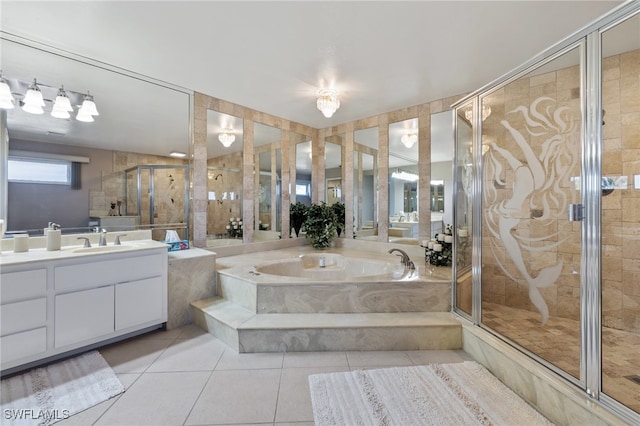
225 142
267 148
301 170
120 164
441 171
333 169
403 181
365 183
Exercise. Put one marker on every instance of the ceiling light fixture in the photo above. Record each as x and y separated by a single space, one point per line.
177 154
6 98
486 112
402 175
328 102
409 139
227 137
62 106
33 100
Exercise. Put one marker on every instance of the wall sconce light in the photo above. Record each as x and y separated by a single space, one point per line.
409 139
328 102
402 175
6 98
62 106
227 137
33 100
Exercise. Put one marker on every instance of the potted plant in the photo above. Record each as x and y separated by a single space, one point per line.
339 210
297 216
320 225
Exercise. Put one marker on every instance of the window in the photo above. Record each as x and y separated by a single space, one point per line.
302 189
39 170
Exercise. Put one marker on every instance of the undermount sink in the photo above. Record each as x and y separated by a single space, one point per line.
98 249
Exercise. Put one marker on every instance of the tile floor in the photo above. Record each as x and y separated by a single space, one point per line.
559 343
188 377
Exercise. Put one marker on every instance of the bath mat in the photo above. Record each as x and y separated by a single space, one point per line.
437 394
46 395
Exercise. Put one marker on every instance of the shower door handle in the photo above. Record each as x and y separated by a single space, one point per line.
576 212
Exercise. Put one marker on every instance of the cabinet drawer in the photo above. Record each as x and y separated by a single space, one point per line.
25 315
139 302
83 315
94 274
21 345
22 285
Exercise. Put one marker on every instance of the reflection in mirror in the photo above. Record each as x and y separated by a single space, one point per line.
365 202
142 131
403 181
302 169
224 179
463 200
268 182
333 168
441 171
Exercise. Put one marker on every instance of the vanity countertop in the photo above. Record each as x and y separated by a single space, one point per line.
75 251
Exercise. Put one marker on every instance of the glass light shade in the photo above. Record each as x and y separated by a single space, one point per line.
84 116
409 139
6 98
226 138
62 105
33 100
328 102
89 105
60 113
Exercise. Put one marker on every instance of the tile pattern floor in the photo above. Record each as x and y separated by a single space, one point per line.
559 343
188 377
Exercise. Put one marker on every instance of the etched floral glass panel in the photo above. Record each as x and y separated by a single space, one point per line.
531 145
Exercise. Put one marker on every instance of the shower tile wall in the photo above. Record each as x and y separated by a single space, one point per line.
621 208
113 182
220 211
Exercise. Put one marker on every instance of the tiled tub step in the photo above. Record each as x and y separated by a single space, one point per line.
246 331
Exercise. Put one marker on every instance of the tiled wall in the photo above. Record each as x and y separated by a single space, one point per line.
228 180
621 209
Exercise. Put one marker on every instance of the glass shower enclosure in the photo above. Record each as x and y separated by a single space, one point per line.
159 196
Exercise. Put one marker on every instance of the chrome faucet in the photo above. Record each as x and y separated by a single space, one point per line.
103 238
406 261
87 244
116 242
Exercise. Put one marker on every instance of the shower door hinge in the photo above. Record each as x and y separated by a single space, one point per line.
576 212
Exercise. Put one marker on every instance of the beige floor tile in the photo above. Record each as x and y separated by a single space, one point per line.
200 353
294 398
134 355
157 399
232 360
378 359
90 415
315 359
237 396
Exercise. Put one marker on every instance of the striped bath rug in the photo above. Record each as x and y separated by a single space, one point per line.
46 395
437 394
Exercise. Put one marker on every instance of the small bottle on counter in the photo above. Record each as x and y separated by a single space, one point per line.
54 236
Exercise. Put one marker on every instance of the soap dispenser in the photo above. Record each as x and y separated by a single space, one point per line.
54 237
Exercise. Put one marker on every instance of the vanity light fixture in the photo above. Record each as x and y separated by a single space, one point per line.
402 175
328 102
88 109
409 139
227 137
62 106
6 98
486 112
177 154
33 100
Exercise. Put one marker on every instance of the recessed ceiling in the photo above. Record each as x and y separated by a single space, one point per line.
273 56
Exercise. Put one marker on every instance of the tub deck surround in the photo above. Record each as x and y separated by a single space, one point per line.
273 313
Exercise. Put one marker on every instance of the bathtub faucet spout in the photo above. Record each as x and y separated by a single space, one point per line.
406 261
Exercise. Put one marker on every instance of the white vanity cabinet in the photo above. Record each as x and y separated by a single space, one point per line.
52 307
23 314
